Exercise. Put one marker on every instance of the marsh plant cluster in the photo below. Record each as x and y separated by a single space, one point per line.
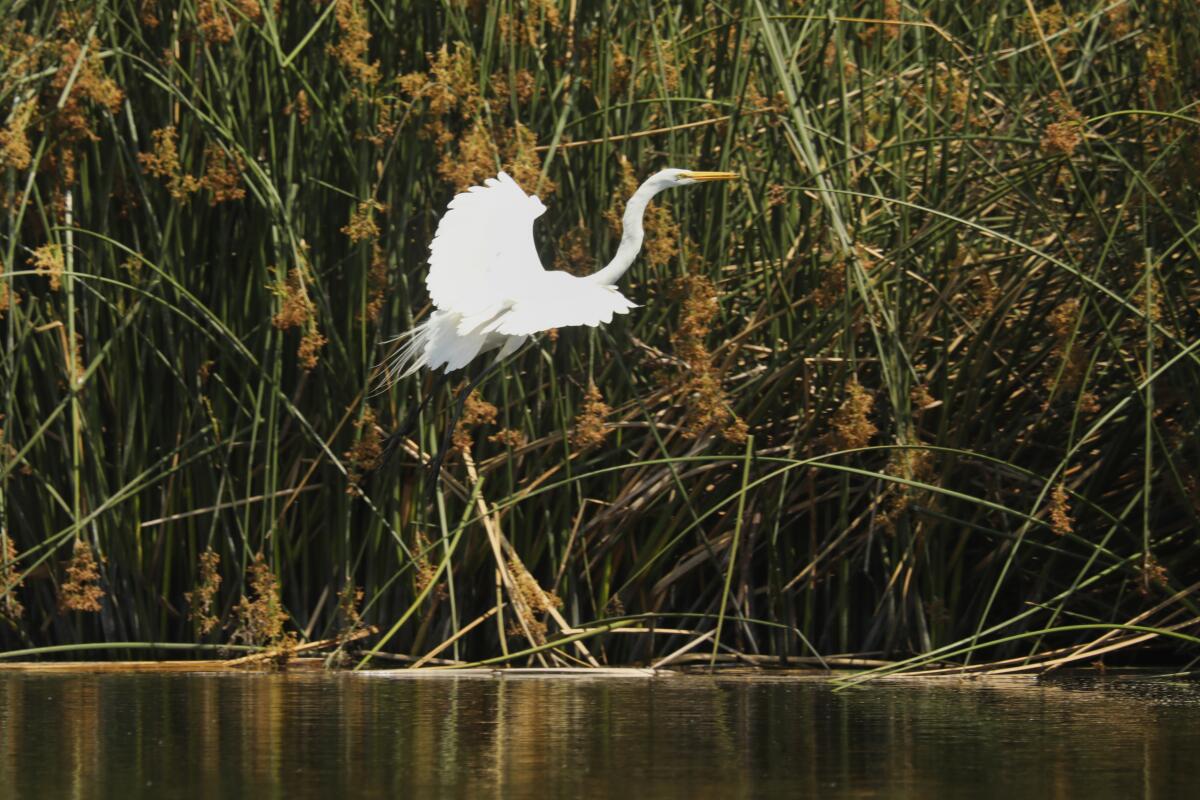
921 385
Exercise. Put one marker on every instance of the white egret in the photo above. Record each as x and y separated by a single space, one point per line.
489 288
491 292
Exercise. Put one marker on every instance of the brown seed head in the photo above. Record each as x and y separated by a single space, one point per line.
891 12
450 87
48 260
699 381
148 14
213 22
1060 511
476 411
574 251
8 297
831 286
1065 134
475 160
222 174
81 590
1068 360
377 284
530 600
308 354
509 437
296 308
1153 574
14 141
366 453
261 620
299 107
590 429
425 570
163 162
89 88
11 609
362 225
350 619
852 426
523 163
355 35
201 602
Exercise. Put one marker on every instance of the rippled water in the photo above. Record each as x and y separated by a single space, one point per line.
342 735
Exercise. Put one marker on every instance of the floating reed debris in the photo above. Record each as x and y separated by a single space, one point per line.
282 654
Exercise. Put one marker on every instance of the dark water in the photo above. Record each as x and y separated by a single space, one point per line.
317 735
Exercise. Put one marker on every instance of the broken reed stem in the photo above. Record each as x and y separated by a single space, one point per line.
491 524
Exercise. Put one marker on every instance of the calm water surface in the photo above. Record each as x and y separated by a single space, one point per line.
339 735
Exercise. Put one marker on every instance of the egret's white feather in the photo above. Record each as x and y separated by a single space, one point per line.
438 341
484 247
558 300
511 345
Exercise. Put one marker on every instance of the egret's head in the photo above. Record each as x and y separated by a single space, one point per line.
685 177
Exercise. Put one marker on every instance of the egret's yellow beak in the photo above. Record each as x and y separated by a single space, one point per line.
711 176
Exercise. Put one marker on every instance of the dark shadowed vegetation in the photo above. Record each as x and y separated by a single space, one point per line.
920 386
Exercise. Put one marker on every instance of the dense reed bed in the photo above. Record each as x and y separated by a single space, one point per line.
918 388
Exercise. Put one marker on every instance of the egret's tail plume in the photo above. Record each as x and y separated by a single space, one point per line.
411 354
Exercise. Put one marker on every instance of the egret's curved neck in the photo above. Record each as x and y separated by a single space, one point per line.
631 231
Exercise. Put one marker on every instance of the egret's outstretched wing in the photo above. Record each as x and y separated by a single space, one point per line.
483 251
558 300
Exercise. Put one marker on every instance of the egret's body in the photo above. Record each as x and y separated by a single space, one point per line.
489 288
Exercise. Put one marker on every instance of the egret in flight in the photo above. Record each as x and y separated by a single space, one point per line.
491 292
489 288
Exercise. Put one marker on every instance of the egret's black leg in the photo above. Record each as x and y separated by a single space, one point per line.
435 465
410 422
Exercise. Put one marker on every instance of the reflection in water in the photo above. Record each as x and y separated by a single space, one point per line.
339 735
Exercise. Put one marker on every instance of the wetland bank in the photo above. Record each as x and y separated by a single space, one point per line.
917 391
